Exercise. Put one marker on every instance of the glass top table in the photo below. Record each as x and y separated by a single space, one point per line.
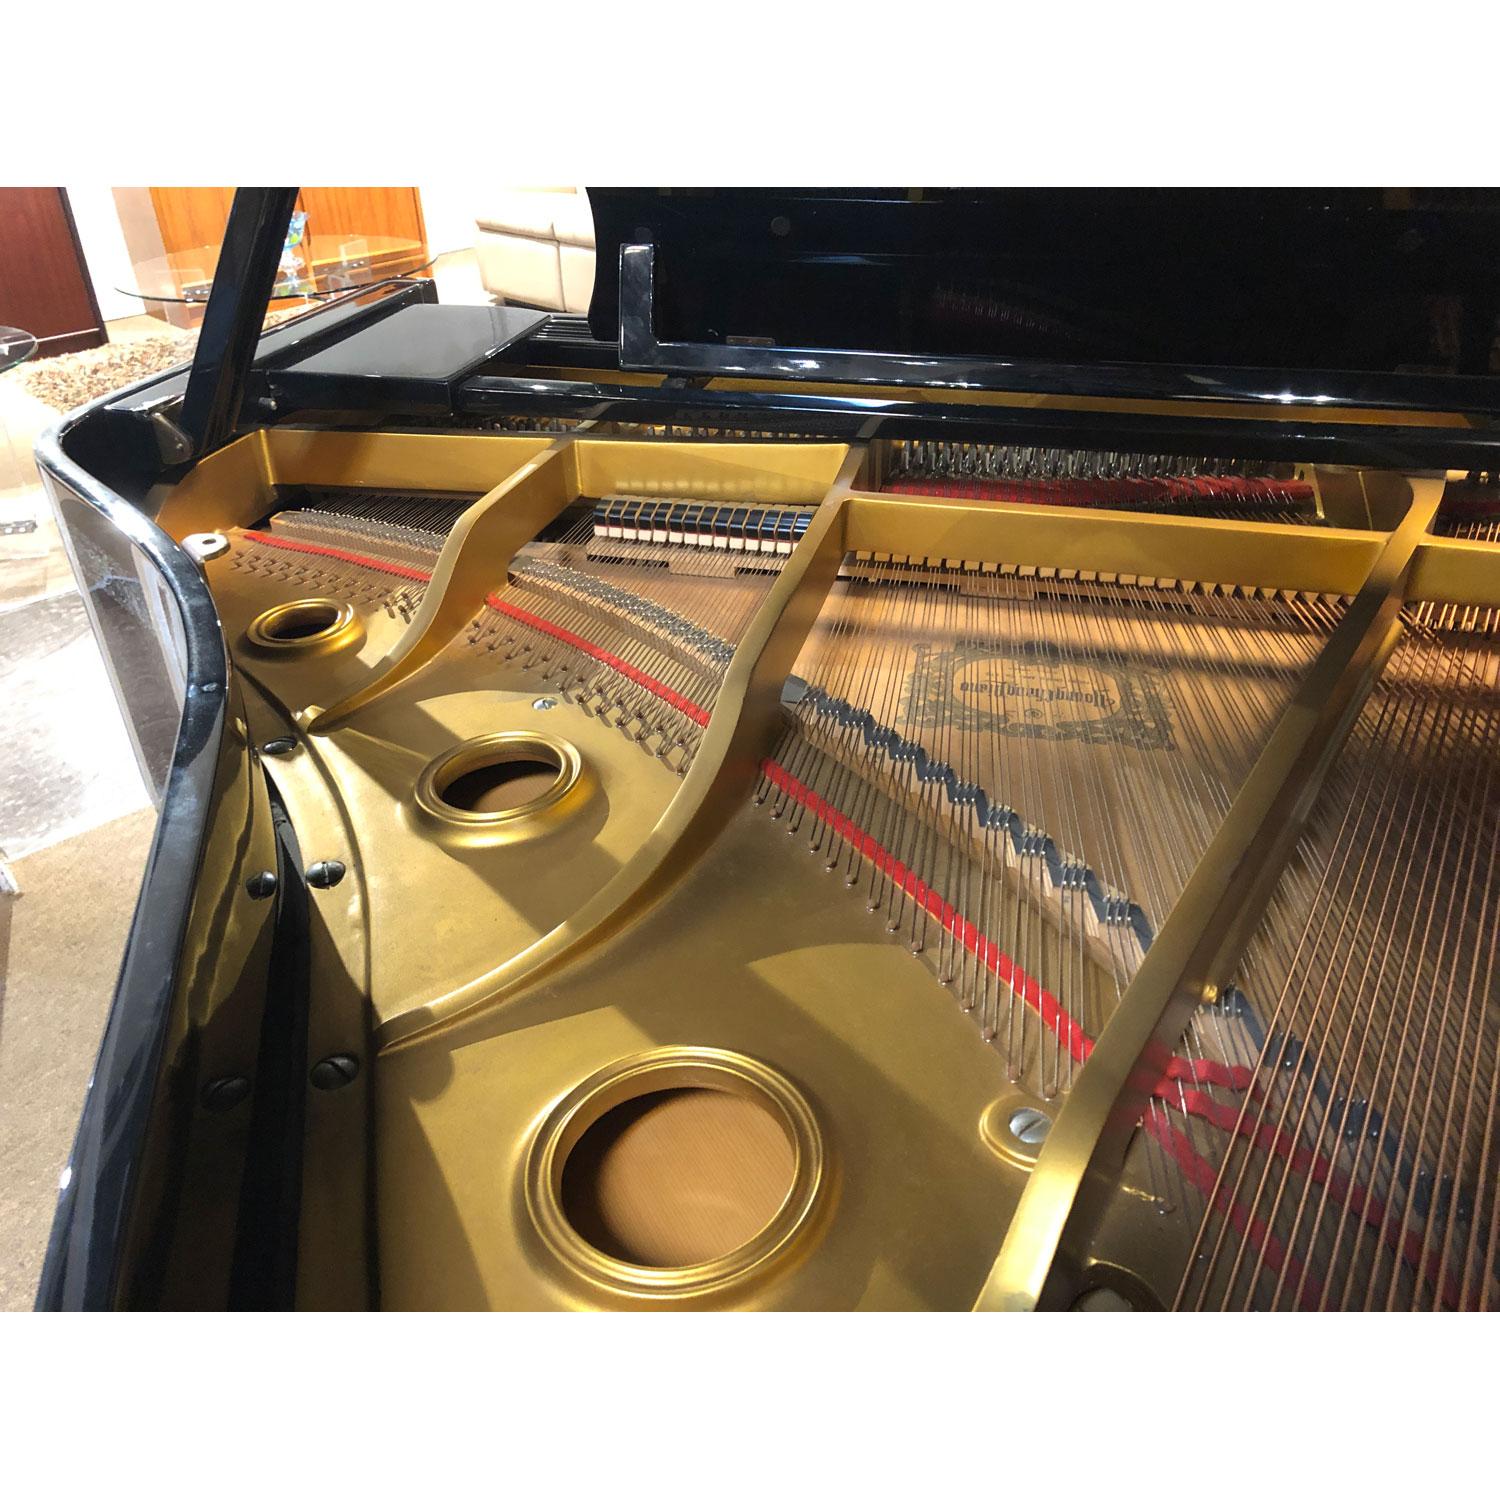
319 264
15 345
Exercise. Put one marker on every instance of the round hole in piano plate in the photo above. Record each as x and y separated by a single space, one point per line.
1113 1288
305 623
678 1176
1102 1299
680 1172
502 785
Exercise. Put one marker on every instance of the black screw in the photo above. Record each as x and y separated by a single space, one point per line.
335 1071
261 885
222 1094
284 745
325 872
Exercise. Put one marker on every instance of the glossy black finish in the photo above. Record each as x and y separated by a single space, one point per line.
284 344
83 1260
1301 437
177 721
566 339
641 349
235 315
1360 297
263 1275
411 361
123 440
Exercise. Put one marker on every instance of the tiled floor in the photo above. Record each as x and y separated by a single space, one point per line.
75 828
66 930
66 762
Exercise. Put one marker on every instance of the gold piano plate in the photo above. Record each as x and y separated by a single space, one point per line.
942 833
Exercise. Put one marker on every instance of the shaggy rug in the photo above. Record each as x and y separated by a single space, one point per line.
69 380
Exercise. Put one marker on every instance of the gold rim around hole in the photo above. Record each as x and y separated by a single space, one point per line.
494 749
342 630
649 1073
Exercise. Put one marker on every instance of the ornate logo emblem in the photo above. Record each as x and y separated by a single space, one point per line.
1034 690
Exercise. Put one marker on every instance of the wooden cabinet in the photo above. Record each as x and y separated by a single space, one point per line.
44 283
191 218
391 211
184 223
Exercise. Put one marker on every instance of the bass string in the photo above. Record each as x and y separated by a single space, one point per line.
1296 1097
1371 798
1293 894
1237 1158
1474 738
715 598
1394 879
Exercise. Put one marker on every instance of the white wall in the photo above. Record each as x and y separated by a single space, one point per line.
448 210
104 250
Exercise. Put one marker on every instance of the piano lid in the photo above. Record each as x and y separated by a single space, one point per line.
1381 297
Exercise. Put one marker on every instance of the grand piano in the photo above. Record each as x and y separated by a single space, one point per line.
937 751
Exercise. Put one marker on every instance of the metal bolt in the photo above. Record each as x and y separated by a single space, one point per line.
222 1094
325 872
283 745
541 705
1030 1126
335 1071
261 885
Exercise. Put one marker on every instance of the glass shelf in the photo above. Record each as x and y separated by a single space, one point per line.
322 263
16 345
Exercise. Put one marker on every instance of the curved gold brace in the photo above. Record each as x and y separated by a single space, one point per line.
472 563
1201 939
713 789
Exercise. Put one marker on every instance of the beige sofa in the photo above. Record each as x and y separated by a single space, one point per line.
536 246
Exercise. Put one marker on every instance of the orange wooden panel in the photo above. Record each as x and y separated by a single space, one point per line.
395 211
192 217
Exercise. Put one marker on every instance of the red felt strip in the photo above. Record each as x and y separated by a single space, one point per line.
399 570
1203 1175
652 685
1096 492
1079 1043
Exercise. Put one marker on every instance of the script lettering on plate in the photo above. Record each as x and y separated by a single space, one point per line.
1035 690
